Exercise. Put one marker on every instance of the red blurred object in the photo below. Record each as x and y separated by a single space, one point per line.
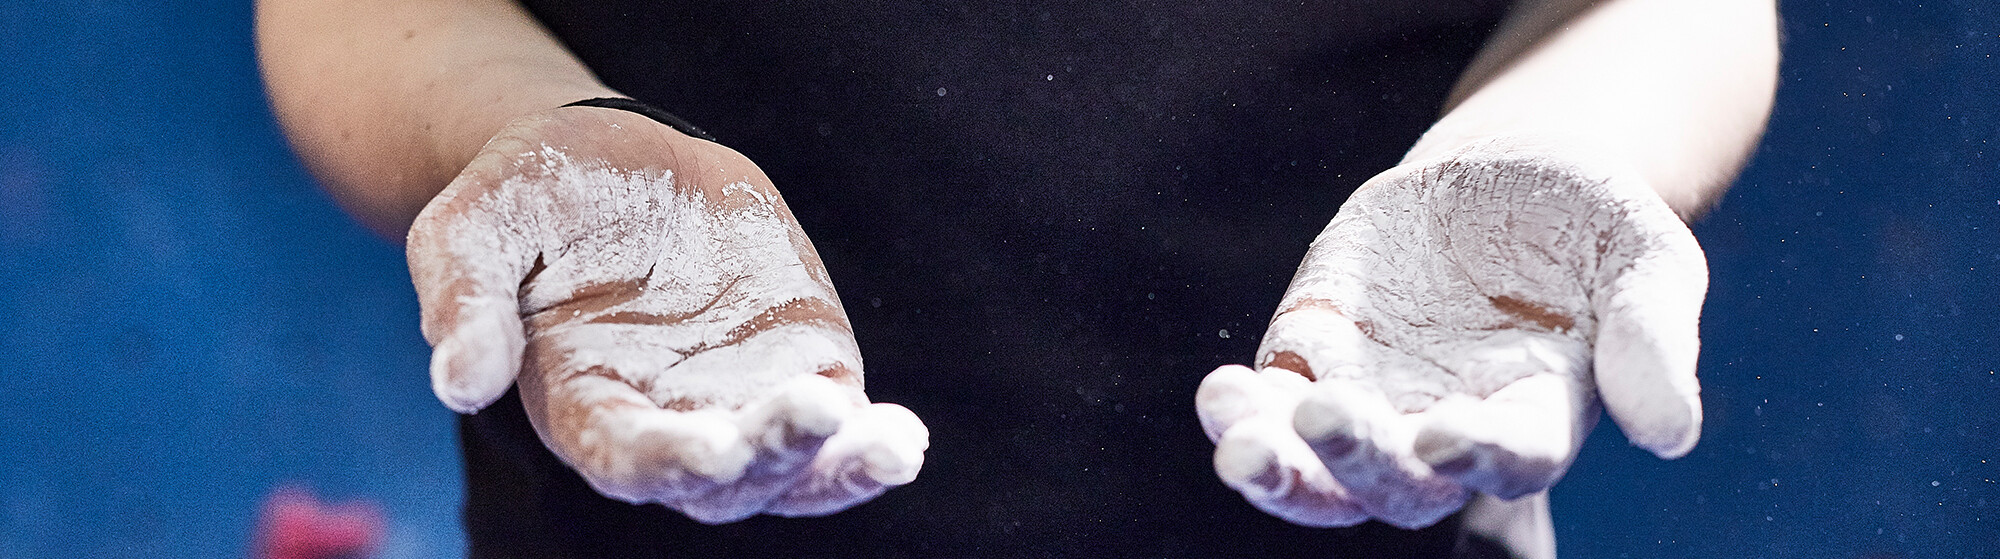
296 525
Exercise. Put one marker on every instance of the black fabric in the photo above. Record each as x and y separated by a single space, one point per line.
1047 222
648 111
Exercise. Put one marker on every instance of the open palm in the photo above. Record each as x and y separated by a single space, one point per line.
1455 329
673 334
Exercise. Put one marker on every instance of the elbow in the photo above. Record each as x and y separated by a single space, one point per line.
347 144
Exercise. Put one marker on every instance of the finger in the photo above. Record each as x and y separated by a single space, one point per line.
477 361
785 432
789 428
1648 305
1367 445
1234 393
1521 526
1517 441
467 264
1264 460
628 448
879 447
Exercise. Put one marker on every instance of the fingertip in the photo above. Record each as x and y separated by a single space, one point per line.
1321 415
1668 434
1226 396
1248 463
475 365
1275 472
1667 427
442 376
1341 517
1518 440
1221 379
801 416
896 420
1332 434
886 441
1490 467
1447 450
704 442
1334 419
880 447
716 516
900 457
1649 387
894 465
647 455
782 440
1228 370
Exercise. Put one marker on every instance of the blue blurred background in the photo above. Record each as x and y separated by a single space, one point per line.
187 322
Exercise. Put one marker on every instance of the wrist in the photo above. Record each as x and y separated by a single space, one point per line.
642 109
1553 150
1689 189
461 125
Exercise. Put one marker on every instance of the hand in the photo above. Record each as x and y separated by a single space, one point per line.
673 334
1440 338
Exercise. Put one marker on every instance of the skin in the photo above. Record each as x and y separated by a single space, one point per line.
673 333
1449 340
1451 331
1641 105
716 375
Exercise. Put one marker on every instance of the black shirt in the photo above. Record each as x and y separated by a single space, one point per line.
1047 221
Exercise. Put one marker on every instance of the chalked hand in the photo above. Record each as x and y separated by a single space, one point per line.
1455 329
673 334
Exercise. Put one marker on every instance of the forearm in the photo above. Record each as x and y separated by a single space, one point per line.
386 100
1676 89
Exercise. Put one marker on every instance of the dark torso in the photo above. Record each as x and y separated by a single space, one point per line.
1047 221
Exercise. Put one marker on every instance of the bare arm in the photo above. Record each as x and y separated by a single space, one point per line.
1677 89
387 100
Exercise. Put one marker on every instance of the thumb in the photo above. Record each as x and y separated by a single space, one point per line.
1648 305
468 258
